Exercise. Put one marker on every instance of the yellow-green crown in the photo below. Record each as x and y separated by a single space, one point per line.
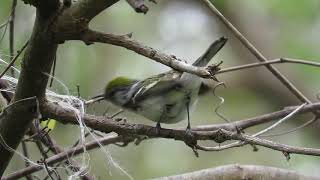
119 81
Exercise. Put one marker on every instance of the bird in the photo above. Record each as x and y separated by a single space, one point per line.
162 98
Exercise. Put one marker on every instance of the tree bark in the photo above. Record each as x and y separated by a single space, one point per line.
11 131
36 66
245 172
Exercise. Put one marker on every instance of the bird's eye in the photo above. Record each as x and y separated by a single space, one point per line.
112 93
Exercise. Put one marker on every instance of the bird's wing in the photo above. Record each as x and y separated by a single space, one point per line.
155 85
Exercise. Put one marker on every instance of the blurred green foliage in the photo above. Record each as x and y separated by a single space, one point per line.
294 11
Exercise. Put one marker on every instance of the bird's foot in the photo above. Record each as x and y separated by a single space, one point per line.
189 131
189 136
191 141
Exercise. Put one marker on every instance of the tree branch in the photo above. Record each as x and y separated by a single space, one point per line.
87 9
63 155
127 42
51 29
26 154
138 6
107 125
45 7
56 149
237 171
36 65
256 53
12 132
11 32
250 122
13 60
275 61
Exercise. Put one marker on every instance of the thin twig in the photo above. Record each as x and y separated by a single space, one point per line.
64 155
4 31
46 168
11 33
14 59
251 122
56 149
26 154
4 24
220 148
53 70
248 139
280 121
78 91
314 119
275 61
256 53
241 143
41 149
116 114
93 100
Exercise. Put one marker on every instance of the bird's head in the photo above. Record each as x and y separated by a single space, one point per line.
118 90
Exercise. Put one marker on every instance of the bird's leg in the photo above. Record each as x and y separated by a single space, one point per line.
158 126
188 115
165 110
190 140
188 130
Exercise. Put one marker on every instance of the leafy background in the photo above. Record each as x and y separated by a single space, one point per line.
286 28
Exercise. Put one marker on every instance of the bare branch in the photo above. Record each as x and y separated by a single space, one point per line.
126 41
107 125
257 53
138 6
246 123
32 82
275 61
88 9
280 121
237 171
14 59
56 149
11 133
73 24
311 121
269 144
11 31
63 155
242 143
26 154
38 60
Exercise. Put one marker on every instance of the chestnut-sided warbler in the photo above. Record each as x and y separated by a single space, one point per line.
163 98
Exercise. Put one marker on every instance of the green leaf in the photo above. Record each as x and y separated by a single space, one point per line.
50 124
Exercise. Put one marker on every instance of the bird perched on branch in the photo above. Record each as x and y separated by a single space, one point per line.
163 98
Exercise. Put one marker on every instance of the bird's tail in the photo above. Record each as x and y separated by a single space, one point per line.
213 49
191 81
